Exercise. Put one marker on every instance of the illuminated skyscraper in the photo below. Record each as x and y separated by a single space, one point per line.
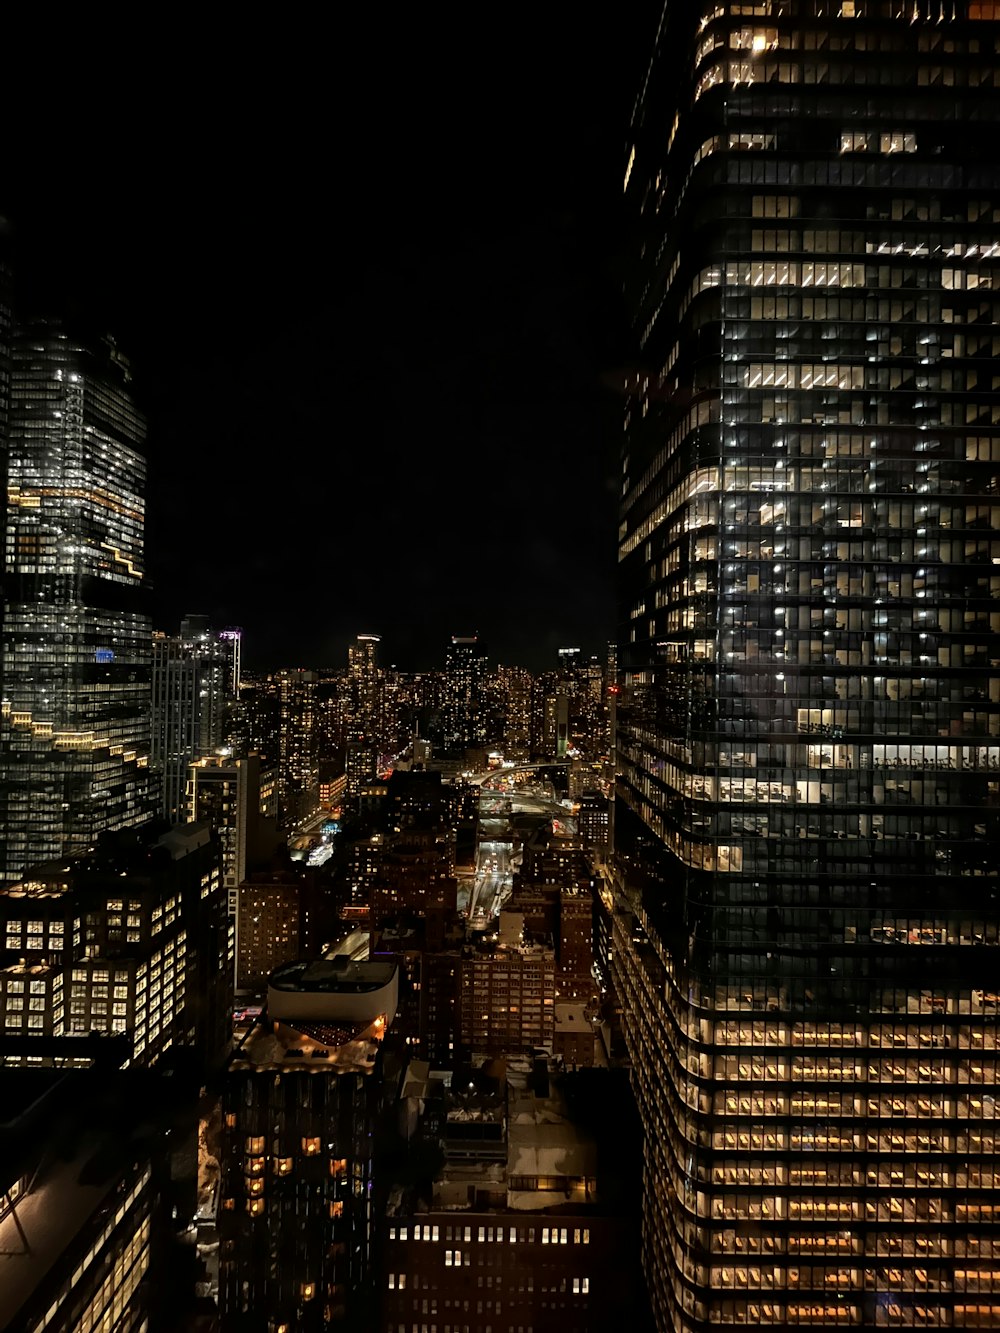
364 726
74 734
807 863
514 686
298 769
464 716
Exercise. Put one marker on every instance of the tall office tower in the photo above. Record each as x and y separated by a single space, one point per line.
298 769
364 727
74 727
465 671
192 691
809 733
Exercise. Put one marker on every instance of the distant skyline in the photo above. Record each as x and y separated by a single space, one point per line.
373 310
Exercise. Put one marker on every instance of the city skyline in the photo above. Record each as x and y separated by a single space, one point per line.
379 368
499 657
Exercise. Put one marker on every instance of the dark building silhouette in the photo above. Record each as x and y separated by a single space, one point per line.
299 1195
90 1195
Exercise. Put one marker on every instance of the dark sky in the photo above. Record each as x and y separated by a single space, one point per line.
367 274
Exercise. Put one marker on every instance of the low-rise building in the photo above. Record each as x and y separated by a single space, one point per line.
513 1233
573 1035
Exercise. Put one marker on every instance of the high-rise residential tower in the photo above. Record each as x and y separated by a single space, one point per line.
298 768
808 745
465 672
75 726
193 673
364 728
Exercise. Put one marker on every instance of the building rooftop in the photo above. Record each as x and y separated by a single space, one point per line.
542 1142
571 1016
339 990
314 1047
331 975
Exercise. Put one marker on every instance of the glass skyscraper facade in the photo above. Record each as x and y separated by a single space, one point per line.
77 642
806 862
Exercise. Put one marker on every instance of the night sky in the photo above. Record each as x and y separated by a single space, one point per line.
368 276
